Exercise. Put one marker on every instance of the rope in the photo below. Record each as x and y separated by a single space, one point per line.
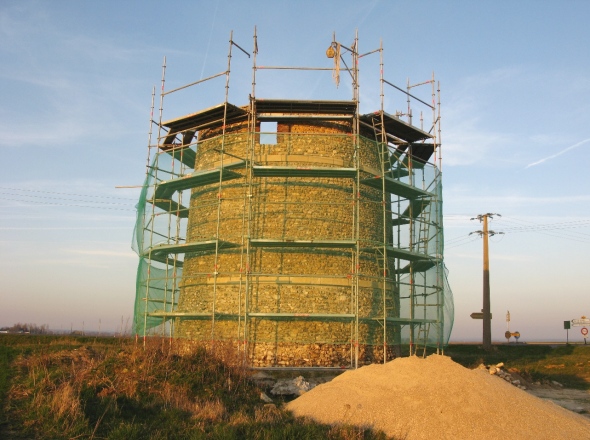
336 71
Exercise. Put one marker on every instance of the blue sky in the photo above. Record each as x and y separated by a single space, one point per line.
75 86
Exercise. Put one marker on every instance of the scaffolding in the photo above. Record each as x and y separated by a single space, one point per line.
319 247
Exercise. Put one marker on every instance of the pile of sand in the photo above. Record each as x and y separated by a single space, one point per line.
436 398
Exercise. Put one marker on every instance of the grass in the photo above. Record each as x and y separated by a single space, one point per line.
109 388
7 356
93 388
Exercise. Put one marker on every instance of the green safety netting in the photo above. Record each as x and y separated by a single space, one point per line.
156 282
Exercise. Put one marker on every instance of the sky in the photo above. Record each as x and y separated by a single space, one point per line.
76 80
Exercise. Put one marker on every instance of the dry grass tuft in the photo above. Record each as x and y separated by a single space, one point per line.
269 413
64 402
210 411
239 418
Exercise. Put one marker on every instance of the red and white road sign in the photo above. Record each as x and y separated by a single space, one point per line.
584 331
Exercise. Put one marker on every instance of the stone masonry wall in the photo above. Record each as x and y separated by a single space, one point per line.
299 281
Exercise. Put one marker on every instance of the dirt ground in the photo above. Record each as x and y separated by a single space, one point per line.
571 399
574 400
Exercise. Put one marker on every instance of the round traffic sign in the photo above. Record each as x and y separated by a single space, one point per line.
584 331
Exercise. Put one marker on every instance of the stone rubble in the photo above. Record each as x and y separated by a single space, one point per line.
507 376
503 374
291 387
264 397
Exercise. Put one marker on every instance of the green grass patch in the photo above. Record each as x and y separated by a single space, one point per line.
7 356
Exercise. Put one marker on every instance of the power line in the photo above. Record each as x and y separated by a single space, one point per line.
62 193
61 204
539 228
542 228
457 238
548 226
60 198
467 239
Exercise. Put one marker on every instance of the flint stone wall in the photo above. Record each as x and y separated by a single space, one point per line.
284 280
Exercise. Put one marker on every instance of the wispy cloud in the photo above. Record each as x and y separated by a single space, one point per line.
367 13
484 120
553 156
209 40
467 136
465 144
56 80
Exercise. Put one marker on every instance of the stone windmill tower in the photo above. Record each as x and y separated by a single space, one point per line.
304 233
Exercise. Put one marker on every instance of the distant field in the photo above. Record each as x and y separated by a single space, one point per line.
89 387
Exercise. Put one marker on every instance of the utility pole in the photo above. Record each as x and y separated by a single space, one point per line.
487 317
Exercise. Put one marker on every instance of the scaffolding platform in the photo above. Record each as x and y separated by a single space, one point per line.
282 171
169 261
212 117
192 315
304 316
269 242
170 206
166 189
182 153
419 266
161 251
402 254
420 153
410 321
396 187
395 127
280 109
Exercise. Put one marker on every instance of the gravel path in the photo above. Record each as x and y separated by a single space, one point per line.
436 398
